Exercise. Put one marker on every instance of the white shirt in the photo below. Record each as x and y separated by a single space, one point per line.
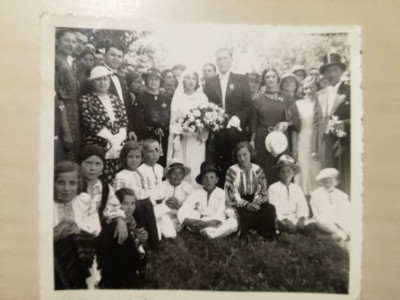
70 60
132 180
117 84
289 201
331 207
224 85
210 207
180 192
105 100
332 92
152 177
84 213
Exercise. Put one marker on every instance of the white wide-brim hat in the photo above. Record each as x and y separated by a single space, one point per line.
276 143
99 71
327 173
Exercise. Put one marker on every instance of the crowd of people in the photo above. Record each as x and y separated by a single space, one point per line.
127 176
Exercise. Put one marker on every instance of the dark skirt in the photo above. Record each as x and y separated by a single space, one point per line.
144 216
263 220
119 264
73 256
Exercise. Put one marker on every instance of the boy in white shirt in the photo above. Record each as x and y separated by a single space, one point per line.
205 210
152 174
288 198
151 171
331 207
175 190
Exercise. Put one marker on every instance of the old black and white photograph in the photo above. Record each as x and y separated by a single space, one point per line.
201 157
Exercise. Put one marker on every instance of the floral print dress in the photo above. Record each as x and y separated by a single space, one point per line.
94 117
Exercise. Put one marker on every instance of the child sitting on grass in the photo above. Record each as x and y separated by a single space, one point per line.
205 211
152 176
288 198
128 203
130 177
331 207
176 190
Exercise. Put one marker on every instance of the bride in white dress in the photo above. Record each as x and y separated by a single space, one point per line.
187 148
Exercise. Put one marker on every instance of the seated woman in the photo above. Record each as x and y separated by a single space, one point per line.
331 207
116 255
246 191
205 211
175 190
76 226
288 198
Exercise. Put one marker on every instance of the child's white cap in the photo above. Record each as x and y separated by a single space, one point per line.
327 173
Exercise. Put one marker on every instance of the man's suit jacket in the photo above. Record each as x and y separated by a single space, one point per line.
341 109
238 101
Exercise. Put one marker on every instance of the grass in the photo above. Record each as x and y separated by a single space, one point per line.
295 263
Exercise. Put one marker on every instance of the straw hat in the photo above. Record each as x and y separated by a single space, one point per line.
289 75
176 164
327 173
286 160
276 142
99 71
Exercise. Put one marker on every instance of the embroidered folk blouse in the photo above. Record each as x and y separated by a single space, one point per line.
82 210
239 183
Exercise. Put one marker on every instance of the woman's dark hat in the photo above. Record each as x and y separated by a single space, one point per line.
91 150
331 59
152 72
206 167
254 76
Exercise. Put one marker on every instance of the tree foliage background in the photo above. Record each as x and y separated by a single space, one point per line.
253 50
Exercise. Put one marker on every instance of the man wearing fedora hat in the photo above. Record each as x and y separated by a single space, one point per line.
329 147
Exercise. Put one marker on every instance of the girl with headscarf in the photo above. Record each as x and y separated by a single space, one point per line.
189 149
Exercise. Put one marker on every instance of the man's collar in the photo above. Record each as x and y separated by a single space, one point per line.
225 75
336 85
111 69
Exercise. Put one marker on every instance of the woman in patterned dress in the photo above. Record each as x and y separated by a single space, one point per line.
67 87
104 120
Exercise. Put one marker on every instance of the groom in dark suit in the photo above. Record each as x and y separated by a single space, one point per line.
231 92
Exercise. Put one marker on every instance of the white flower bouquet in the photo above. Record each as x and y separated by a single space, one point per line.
206 116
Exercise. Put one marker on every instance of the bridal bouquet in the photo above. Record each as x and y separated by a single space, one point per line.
213 116
207 115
